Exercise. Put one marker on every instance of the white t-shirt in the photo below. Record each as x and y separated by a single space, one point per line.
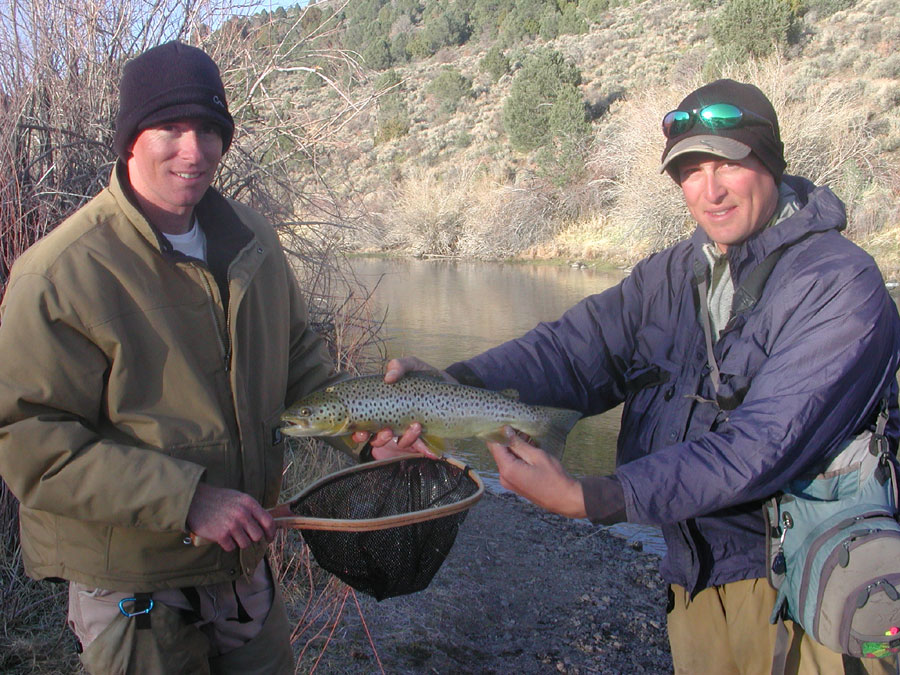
192 243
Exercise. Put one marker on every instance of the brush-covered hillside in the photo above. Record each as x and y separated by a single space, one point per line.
501 128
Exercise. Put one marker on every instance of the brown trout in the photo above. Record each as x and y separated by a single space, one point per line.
445 411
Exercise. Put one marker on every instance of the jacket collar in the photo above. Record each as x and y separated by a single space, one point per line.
124 196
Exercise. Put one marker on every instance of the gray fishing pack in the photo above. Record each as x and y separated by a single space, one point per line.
833 545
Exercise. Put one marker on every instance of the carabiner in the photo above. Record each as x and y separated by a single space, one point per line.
137 613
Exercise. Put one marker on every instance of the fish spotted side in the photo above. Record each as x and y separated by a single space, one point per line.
446 411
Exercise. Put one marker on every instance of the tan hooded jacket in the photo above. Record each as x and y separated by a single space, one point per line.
124 381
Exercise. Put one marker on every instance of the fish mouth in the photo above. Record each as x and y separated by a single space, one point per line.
291 427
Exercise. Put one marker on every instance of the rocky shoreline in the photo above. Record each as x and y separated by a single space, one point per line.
522 591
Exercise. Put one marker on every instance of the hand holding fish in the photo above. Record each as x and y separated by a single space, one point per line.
385 444
540 478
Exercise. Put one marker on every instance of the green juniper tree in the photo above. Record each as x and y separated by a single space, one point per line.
544 79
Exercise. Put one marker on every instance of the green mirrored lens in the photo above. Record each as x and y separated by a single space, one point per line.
721 116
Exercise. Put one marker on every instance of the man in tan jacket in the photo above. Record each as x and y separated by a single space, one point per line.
147 348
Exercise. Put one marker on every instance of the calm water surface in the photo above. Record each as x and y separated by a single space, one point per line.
444 311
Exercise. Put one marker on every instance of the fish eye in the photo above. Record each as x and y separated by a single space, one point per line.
305 412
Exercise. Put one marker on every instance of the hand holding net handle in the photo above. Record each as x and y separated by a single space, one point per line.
362 524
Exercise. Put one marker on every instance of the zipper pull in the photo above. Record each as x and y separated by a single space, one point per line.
844 554
779 563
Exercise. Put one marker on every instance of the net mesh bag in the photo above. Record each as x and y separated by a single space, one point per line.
386 527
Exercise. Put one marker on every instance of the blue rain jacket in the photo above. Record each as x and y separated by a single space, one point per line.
809 363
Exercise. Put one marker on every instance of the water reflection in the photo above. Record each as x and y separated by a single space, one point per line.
452 310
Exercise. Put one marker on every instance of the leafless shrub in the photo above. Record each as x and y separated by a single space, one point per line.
508 220
643 205
829 138
470 213
428 213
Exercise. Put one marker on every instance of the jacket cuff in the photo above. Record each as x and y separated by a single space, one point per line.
604 499
464 375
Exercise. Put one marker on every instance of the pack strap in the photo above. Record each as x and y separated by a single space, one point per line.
703 288
782 647
750 291
745 298
878 445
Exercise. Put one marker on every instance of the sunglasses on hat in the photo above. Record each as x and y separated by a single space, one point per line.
713 116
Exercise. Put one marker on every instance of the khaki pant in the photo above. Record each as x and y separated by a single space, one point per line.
725 630
224 640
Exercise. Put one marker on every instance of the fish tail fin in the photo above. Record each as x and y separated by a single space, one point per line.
559 422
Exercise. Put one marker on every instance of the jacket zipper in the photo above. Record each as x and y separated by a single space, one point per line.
222 333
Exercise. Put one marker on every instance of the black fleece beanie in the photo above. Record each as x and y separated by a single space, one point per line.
763 138
169 82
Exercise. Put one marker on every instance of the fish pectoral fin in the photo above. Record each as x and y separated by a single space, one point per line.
550 439
434 443
348 440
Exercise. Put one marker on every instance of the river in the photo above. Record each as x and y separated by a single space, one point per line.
443 311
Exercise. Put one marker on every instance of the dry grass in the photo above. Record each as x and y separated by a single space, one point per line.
589 239
33 637
473 213
317 600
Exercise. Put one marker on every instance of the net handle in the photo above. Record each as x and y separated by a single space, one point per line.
371 524
365 524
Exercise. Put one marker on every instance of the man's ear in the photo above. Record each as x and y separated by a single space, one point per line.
129 149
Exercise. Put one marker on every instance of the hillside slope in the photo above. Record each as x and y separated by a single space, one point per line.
453 182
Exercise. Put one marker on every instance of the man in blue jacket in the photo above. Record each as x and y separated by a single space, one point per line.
801 348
